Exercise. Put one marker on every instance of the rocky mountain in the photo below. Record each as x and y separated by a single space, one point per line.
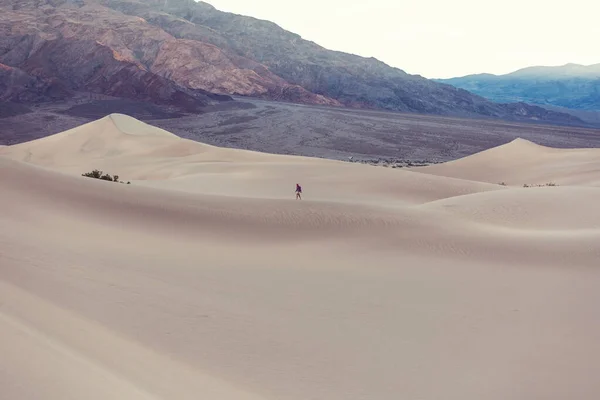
94 48
571 86
182 52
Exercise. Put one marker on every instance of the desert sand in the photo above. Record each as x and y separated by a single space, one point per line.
206 279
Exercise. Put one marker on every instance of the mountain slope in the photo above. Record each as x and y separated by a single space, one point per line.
52 53
179 51
18 86
354 81
571 86
103 50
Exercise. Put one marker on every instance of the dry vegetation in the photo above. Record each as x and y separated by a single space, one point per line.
97 174
537 185
527 185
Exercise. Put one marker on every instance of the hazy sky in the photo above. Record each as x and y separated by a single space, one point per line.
442 38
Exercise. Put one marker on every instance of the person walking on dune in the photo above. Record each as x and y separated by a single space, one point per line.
298 192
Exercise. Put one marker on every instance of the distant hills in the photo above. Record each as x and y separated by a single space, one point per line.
189 55
570 86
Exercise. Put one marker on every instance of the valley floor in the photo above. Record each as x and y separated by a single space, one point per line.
324 132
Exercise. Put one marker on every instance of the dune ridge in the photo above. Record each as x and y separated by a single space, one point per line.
206 278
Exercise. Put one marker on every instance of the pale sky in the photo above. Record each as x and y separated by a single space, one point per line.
442 38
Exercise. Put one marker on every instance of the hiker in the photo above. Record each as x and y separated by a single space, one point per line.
298 192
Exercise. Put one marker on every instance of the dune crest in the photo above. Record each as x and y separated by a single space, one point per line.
205 278
132 126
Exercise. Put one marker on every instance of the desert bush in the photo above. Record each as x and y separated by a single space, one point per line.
97 174
94 174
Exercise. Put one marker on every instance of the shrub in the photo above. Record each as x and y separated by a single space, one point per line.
96 174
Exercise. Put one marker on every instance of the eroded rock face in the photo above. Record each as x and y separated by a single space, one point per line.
94 48
77 49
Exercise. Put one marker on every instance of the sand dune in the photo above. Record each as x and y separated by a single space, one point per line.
153 157
204 278
522 162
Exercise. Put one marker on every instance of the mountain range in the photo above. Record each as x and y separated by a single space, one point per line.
571 86
189 55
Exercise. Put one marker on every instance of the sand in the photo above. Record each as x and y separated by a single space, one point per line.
522 162
204 278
